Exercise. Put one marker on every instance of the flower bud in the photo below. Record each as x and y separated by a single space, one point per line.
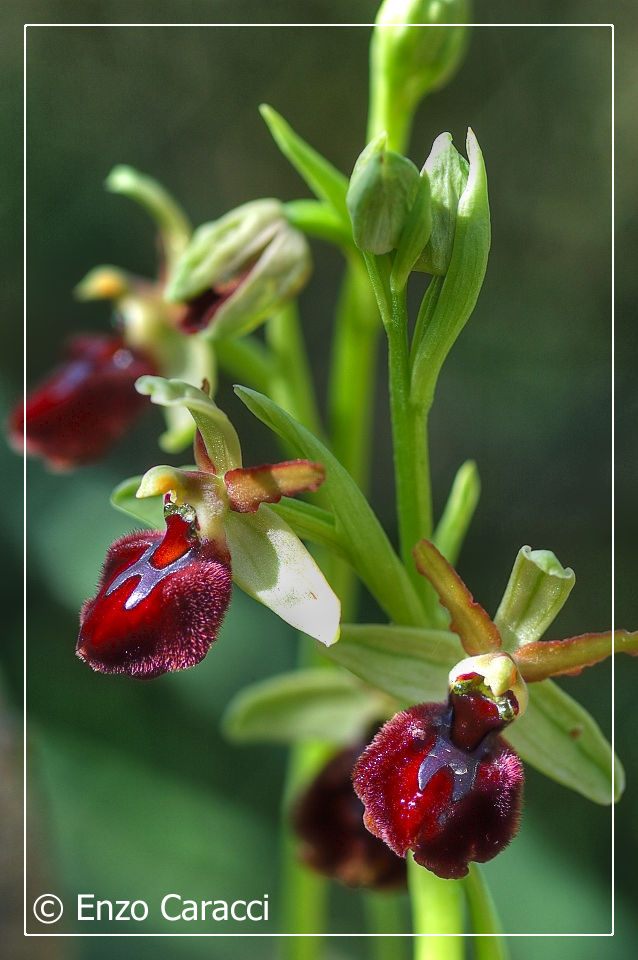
382 190
239 269
88 403
438 780
416 47
160 601
447 172
327 817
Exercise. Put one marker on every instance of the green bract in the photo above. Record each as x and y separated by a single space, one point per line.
448 304
447 172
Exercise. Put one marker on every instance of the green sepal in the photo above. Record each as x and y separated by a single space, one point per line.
271 564
562 740
320 704
536 592
370 552
173 225
459 510
221 248
410 664
383 187
325 181
149 511
220 438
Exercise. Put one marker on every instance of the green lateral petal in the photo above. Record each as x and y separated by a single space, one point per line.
272 565
558 737
304 705
149 511
370 551
549 658
220 438
477 632
410 664
325 181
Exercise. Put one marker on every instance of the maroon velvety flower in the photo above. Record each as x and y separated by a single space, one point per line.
439 780
327 817
160 601
76 415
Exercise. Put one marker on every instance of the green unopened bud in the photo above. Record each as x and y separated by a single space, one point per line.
447 171
536 592
412 54
382 191
495 676
251 258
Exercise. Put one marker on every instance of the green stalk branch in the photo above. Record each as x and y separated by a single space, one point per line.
437 915
291 384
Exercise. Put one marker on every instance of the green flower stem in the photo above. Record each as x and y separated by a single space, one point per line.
384 913
483 917
353 373
291 382
409 433
247 360
437 915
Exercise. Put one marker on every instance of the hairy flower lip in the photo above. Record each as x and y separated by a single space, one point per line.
84 406
450 806
327 818
159 605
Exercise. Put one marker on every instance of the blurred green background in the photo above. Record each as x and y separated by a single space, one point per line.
133 791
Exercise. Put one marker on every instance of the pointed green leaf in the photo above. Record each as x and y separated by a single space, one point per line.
325 181
410 664
558 737
477 632
414 236
305 705
216 429
171 220
271 564
370 551
149 511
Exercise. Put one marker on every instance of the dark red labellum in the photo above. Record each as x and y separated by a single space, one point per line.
160 603
424 790
327 818
77 414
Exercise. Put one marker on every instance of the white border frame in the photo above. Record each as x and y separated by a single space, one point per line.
613 671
